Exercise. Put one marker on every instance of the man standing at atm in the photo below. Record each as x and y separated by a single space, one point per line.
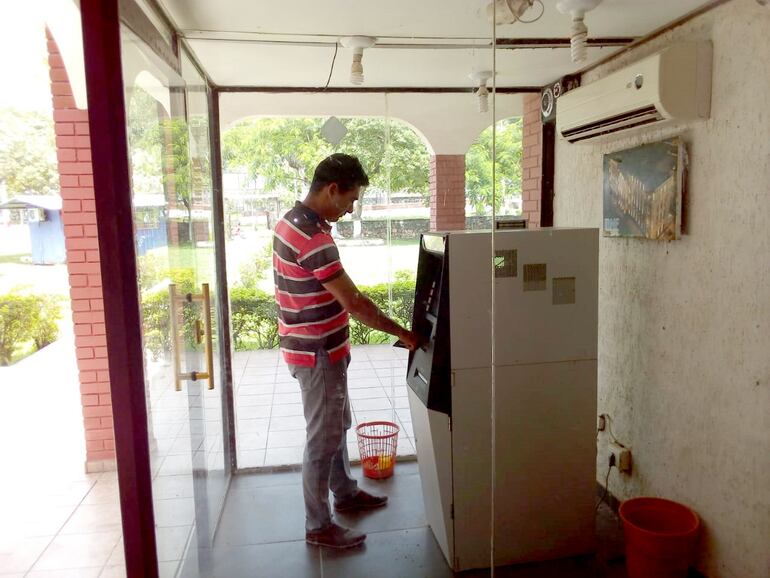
315 298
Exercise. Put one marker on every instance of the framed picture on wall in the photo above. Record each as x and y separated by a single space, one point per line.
643 189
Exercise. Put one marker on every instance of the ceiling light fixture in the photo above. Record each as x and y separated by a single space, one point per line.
511 11
357 45
481 77
578 9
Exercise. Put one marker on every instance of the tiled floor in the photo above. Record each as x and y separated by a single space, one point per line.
62 527
59 528
57 522
75 533
261 534
268 404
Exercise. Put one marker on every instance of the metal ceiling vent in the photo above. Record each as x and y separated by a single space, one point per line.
357 45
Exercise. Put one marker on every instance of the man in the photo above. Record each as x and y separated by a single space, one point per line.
315 297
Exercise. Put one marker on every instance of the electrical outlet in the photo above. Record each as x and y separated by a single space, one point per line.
622 457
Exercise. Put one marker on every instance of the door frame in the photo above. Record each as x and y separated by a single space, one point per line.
109 146
101 21
223 289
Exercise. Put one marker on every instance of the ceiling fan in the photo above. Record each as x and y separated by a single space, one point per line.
512 11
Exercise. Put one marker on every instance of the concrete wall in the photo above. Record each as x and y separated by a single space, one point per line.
684 327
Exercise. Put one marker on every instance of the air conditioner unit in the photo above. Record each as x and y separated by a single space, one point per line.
674 84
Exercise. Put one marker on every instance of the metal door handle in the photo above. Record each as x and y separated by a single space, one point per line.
209 338
172 311
174 301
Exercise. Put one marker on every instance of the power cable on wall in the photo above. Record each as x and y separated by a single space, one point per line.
606 484
331 68
607 417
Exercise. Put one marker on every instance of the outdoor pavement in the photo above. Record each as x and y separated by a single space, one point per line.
55 520
268 403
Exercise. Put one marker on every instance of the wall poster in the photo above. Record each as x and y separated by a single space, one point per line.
643 191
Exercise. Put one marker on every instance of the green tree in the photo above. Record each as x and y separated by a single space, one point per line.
285 151
171 152
27 153
392 154
27 318
478 167
174 138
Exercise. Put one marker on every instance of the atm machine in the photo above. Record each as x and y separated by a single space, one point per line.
545 330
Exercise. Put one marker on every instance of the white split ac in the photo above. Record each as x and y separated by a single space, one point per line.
674 84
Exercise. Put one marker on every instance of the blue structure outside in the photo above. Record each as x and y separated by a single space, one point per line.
46 229
46 233
148 238
47 239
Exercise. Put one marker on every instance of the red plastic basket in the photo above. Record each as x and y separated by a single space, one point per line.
377 444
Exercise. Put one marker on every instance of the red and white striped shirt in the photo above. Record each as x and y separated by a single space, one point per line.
310 319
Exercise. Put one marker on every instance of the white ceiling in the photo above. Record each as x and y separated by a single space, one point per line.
407 18
228 38
297 66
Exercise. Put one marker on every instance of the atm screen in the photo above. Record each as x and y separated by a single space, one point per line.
428 373
434 243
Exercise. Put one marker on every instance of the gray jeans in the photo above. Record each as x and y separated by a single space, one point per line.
327 414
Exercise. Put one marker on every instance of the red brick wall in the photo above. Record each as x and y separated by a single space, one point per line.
73 149
447 192
531 165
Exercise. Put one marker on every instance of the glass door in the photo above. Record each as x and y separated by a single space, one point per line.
167 120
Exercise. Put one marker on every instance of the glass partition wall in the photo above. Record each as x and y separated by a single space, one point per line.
378 245
431 142
424 150
167 118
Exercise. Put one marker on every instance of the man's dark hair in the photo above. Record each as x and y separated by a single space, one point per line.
345 170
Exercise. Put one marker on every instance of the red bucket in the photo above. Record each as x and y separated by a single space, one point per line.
377 444
660 537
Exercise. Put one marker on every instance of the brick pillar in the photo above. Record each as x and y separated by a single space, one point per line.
447 192
76 183
531 160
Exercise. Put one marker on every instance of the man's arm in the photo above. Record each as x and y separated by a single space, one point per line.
364 310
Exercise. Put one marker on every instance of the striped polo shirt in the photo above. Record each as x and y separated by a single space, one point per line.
310 319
